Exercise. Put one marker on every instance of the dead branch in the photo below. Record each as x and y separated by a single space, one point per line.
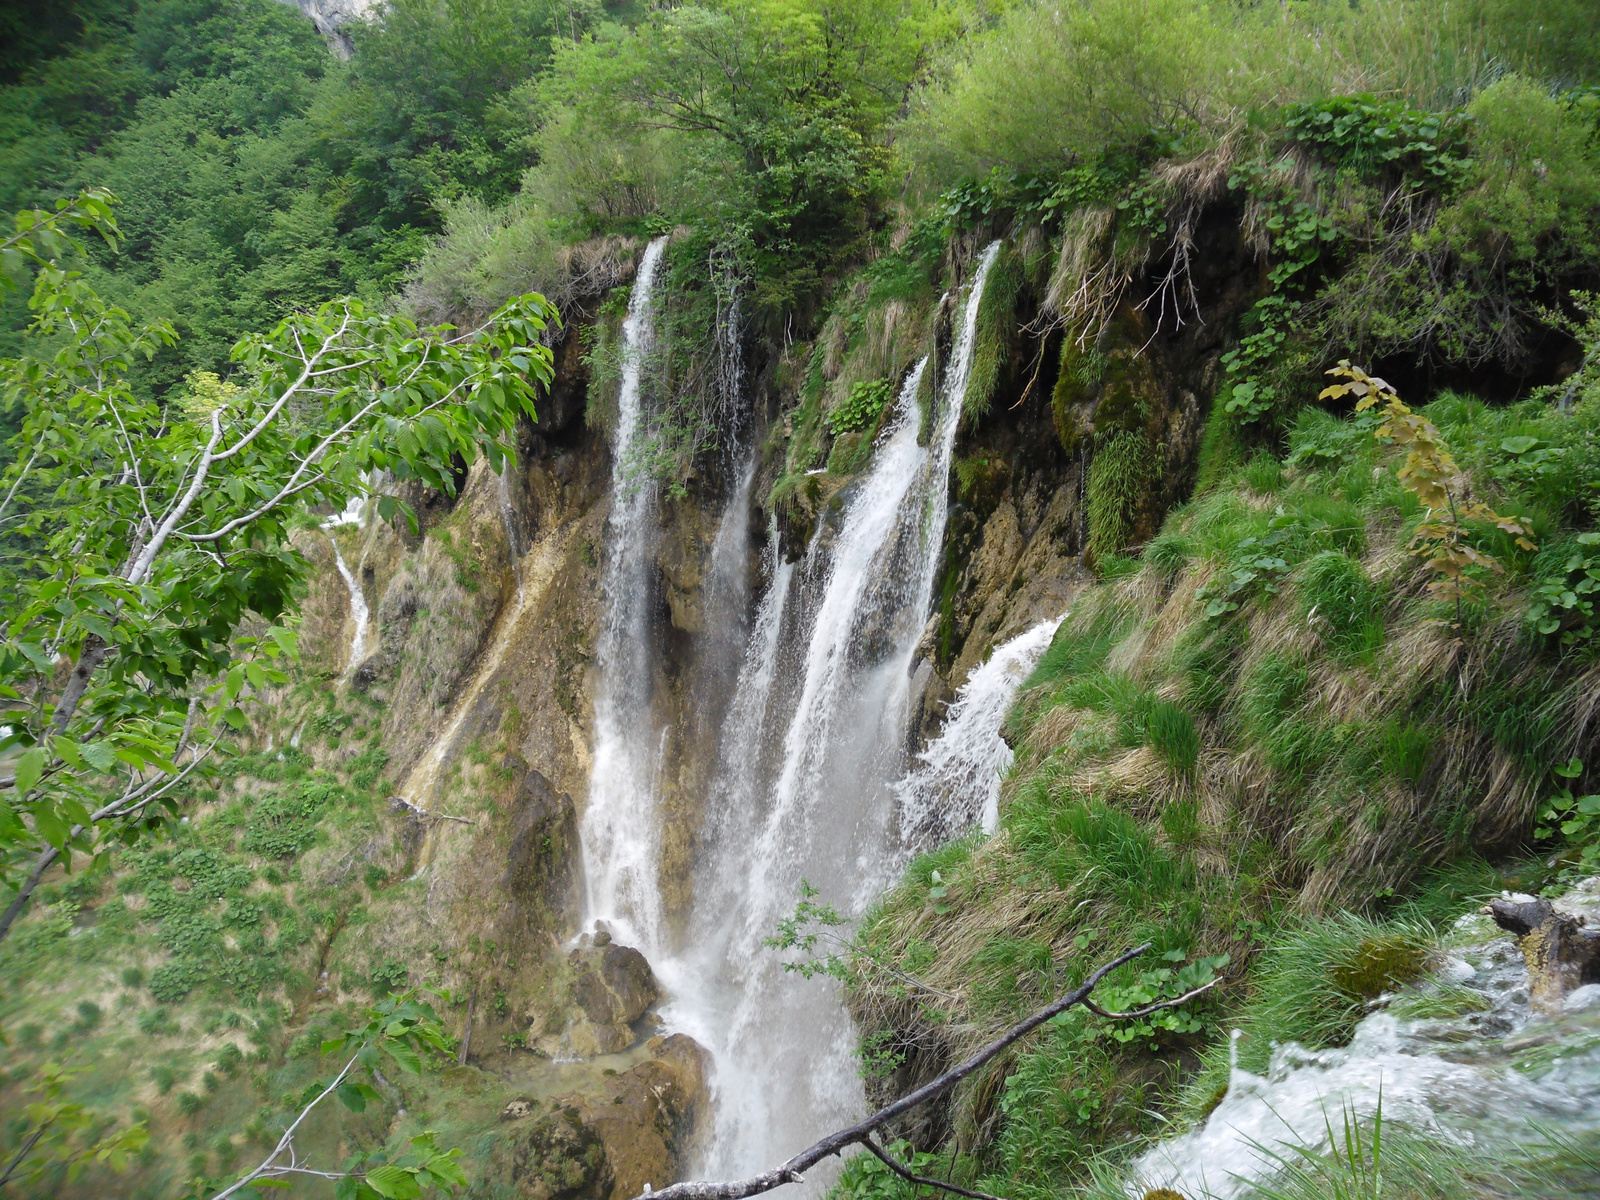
861 1133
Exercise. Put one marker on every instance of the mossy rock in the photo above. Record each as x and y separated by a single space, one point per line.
1381 964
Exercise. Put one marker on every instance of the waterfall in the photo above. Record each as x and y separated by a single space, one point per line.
619 834
812 744
956 782
359 613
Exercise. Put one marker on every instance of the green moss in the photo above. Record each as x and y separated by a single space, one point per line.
995 331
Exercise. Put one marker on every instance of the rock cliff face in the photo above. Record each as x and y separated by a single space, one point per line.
329 16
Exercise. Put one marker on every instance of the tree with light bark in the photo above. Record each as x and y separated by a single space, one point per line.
148 577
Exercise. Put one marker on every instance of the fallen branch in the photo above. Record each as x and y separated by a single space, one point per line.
860 1134
401 804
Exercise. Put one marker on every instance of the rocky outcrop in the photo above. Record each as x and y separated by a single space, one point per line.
330 17
637 1129
612 987
1561 950
541 877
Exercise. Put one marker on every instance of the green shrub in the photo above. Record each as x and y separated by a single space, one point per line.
164 1077
862 407
281 827
189 1103
88 1016
1567 587
173 981
157 1022
389 976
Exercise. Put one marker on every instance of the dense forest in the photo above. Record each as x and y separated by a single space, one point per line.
505 499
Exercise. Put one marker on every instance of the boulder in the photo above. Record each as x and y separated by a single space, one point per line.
612 987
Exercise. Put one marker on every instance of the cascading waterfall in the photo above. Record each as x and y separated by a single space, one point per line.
956 782
359 613
813 741
619 832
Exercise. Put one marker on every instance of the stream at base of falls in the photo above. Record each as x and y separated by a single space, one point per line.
1464 1060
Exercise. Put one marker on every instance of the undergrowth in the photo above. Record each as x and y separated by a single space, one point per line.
1263 740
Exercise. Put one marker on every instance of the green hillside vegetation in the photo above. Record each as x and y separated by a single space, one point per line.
1267 743
1271 738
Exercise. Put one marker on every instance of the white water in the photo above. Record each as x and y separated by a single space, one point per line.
508 519
359 613
813 741
619 833
956 782
1491 1078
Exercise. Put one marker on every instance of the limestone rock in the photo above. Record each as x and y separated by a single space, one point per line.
650 1117
559 1157
540 861
612 987
608 1140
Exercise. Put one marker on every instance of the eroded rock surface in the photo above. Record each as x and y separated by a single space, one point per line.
1561 950
635 1127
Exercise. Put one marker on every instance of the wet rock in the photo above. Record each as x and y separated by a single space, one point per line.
370 670
608 1140
649 1119
540 860
1561 951
612 986
560 1157
517 1109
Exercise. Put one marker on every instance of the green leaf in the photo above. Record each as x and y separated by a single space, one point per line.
29 767
392 1183
447 1170
408 1058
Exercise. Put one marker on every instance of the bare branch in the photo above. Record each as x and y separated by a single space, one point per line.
269 1167
1150 1008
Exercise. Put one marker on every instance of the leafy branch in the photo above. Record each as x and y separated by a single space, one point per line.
402 1029
1431 474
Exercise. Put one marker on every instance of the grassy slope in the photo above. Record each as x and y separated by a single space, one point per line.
187 984
1230 784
